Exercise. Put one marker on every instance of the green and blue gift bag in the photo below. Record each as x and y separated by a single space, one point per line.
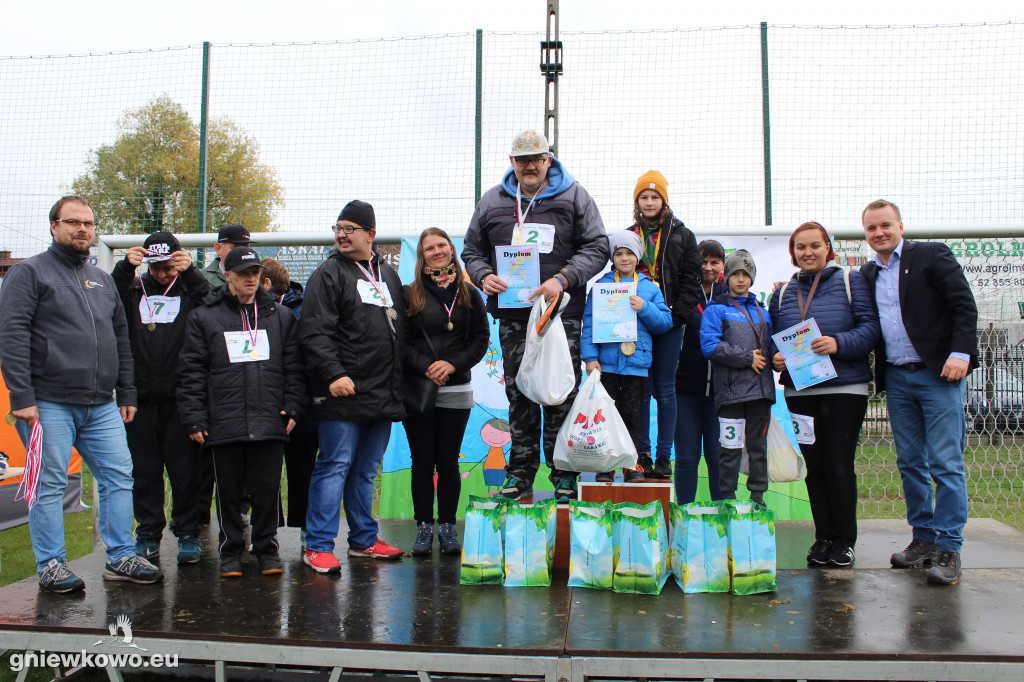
482 542
700 547
590 545
640 556
751 547
530 543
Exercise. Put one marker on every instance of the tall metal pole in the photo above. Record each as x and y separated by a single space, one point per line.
551 68
479 114
204 171
766 126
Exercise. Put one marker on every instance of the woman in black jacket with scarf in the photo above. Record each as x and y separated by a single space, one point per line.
672 262
441 305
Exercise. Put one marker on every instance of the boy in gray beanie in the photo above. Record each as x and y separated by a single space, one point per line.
735 335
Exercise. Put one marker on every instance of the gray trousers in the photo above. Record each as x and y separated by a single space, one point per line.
757 414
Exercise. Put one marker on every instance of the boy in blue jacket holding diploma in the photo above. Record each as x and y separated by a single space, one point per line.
624 365
735 335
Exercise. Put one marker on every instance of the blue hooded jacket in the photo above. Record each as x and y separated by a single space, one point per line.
653 318
559 180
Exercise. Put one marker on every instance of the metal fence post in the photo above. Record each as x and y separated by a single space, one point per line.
204 118
766 126
478 151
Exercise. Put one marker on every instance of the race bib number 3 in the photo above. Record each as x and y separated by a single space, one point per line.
731 432
543 236
242 349
370 295
161 309
803 428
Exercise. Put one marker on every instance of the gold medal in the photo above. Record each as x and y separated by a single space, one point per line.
393 314
450 326
255 355
151 326
627 347
10 419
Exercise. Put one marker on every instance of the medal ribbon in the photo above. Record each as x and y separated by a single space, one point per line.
652 267
28 488
759 329
373 282
519 203
146 298
451 309
256 320
810 295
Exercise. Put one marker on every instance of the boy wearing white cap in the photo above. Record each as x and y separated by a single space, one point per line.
624 366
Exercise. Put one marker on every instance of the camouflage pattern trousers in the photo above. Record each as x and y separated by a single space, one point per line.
524 415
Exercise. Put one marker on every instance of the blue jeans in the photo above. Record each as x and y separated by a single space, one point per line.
98 433
696 424
662 385
927 417
350 454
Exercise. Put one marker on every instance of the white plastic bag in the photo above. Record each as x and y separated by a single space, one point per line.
594 437
785 463
546 374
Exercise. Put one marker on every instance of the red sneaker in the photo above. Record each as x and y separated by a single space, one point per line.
321 562
379 550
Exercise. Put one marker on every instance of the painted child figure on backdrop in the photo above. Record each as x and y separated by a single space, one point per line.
735 335
624 366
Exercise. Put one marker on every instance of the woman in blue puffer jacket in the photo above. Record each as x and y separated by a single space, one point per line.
624 366
828 416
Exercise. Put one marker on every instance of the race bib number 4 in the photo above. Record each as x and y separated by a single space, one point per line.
160 309
242 349
803 428
731 432
543 236
370 295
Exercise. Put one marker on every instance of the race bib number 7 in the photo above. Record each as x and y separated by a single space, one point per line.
730 436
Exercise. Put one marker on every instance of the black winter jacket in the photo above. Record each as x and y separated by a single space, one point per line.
678 264
463 346
344 337
693 374
241 401
156 352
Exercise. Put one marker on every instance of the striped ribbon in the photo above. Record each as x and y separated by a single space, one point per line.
28 488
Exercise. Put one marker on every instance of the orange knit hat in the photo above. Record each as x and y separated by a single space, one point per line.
652 180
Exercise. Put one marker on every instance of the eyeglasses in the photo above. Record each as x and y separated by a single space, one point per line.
75 223
527 160
347 229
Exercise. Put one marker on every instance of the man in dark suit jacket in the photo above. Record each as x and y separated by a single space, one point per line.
929 346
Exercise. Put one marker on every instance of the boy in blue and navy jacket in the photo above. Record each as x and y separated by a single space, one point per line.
735 335
624 366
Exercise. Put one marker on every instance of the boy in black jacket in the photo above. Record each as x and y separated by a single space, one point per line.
157 306
240 393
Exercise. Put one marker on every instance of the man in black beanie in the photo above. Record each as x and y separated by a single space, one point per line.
352 334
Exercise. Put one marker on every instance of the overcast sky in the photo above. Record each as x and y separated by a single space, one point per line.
63 27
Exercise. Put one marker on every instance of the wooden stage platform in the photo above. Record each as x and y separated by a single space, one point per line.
412 618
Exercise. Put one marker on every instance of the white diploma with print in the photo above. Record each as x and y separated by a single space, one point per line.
806 368
519 268
614 319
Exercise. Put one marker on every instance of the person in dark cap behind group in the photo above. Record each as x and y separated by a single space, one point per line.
353 342
229 237
157 305
241 355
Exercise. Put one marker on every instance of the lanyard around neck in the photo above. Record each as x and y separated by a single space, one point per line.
254 330
810 295
519 202
373 280
759 329
652 266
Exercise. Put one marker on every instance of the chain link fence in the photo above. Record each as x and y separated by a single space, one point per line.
752 125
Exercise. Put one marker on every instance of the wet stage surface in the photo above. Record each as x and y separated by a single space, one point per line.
417 604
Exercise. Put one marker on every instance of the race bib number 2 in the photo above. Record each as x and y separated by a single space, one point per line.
535 234
730 436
